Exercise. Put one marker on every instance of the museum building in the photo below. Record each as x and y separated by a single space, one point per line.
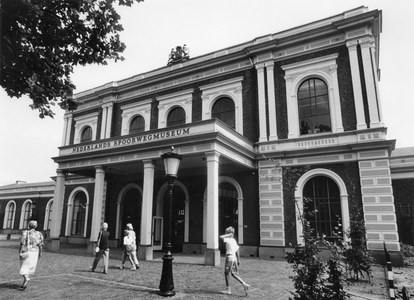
268 130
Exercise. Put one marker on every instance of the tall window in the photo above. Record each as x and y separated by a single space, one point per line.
176 117
27 213
10 215
322 206
313 104
49 210
223 109
86 135
79 214
137 125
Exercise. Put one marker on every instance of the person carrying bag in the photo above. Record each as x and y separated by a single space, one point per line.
102 249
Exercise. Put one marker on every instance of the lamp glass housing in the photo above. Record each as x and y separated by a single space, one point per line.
171 163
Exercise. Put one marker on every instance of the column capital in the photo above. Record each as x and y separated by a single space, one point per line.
367 42
260 67
269 65
212 156
61 172
352 45
100 169
148 163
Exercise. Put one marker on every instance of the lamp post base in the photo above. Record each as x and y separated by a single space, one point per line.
167 281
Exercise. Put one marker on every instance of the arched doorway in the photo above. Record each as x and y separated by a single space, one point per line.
228 211
178 218
131 211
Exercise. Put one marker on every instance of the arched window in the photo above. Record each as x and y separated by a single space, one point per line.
9 216
27 214
86 135
223 109
48 215
313 104
79 214
322 206
137 125
176 117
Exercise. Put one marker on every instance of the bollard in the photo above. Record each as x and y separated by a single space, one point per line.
390 274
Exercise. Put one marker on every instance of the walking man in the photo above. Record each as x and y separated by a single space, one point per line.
102 249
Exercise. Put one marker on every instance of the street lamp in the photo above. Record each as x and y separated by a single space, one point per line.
171 163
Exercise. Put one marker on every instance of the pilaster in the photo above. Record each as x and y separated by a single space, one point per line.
356 84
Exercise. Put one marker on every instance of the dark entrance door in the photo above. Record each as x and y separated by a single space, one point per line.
177 223
228 211
131 212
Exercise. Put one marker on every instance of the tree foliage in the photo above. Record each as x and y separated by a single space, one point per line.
42 40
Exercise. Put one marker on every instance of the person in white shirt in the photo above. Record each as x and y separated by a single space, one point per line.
232 261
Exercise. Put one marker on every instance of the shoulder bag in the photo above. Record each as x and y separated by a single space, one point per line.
97 243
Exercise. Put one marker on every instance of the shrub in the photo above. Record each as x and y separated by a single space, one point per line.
358 259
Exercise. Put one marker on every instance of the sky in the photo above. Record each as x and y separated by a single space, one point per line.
153 27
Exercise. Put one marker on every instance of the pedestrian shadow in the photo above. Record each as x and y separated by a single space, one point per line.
10 286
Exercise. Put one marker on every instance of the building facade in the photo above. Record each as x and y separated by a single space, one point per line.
21 202
269 129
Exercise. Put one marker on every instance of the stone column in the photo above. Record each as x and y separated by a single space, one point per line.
97 214
145 251
356 84
272 101
262 103
370 83
212 255
57 212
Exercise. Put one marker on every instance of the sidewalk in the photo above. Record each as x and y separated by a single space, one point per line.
66 275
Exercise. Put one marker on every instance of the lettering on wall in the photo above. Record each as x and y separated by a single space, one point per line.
132 140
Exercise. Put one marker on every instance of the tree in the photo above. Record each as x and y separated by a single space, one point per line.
42 40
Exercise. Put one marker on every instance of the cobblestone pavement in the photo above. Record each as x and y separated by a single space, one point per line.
66 275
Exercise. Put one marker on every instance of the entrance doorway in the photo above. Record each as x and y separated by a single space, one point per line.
178 218
131 211
228 211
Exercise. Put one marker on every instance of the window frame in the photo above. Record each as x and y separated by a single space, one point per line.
217 102
166 103
139 129
232 89
345 218
324 68
69 215
178 122
9 215
81 122
129 111
312 99
89 130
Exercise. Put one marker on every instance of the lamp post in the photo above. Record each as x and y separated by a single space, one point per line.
171 163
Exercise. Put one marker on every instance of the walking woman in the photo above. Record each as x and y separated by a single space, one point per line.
31 245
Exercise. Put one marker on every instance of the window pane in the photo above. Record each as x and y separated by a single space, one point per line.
224 110
176 117
313 106
324 202
320 87
86 135
137 125
78 217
